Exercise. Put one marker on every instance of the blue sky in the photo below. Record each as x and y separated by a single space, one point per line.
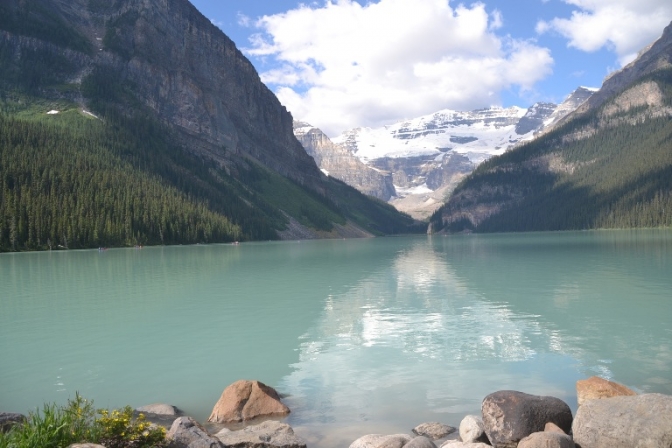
343 63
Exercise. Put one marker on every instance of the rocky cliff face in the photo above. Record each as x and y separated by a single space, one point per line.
336 161
184 69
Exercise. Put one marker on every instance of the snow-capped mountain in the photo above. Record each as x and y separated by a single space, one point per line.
478 134
428 155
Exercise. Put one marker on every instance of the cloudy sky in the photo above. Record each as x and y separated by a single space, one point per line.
344 63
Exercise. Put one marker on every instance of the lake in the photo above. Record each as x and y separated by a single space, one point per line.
359 336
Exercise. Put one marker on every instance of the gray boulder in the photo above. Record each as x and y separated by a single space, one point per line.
9 419
552 427
459 444
185 432
546 439
269 434
472 429
420 442
158 409
381 441
433 430
641 421
509 416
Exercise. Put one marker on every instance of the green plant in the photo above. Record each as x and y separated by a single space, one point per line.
54 426
76 422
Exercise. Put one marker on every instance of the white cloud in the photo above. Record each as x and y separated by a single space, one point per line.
622 26
343 65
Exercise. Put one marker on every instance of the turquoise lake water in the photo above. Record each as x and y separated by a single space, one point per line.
360 336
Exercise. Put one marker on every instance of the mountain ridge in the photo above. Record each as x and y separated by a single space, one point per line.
607 164
176 102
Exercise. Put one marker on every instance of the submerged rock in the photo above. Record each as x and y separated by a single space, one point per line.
269 434
245 400
433 430
509 416
158 409
595 388
624 422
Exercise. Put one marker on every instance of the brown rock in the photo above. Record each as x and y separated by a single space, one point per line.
245 400
595 388
509 416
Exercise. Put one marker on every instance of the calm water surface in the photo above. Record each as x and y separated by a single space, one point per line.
361 336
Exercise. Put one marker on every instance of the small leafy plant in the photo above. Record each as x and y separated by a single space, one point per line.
120 430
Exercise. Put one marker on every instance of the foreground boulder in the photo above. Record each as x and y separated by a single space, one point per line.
9 419
595 388
509 416
185 432
245 400
381 441
269 434
459 444
619 422
546 439
420 442
433 430
472 429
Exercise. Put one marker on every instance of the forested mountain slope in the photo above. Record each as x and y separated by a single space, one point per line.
125 122
608 165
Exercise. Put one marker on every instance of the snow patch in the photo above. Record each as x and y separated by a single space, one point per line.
591 89
86 112
420 189
326 173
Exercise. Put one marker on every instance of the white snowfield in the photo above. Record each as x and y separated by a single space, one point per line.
478 134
